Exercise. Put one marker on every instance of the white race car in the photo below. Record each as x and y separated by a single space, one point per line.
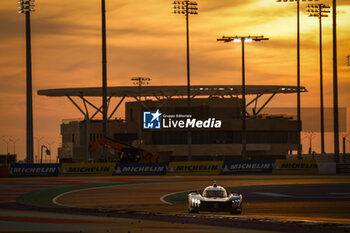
215 199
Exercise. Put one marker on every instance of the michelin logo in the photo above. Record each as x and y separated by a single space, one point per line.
139 169
33 170
244 166
151 120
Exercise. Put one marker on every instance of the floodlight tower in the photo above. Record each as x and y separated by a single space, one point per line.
186 8
298 71
320 10
25 7
243 39
104 76
140 81
335 83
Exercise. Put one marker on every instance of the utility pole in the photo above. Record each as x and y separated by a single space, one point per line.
14 144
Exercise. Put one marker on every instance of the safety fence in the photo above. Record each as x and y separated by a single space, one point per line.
186 168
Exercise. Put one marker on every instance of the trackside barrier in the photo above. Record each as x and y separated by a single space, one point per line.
343 168
127 169
327 168
194 168
231 167
295 166
34 170
228 167
86 169
4 171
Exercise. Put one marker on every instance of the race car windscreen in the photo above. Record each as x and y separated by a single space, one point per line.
214 193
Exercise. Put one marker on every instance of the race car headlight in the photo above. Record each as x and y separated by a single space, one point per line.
235 203
196 202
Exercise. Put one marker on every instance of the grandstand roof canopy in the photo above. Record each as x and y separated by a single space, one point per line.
203 90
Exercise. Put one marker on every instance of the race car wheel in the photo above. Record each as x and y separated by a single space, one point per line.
237 211
192 211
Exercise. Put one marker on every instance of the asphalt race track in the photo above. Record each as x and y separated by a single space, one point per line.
301 193
312 193
155 204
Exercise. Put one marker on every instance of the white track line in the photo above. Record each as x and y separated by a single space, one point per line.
166 195
272 194
54 200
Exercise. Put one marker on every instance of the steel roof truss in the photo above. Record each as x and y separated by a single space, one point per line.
141 103
87 111
76 105
99 109
267 101
116 107
92 105
255 99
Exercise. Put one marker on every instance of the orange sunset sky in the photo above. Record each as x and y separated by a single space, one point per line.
145 39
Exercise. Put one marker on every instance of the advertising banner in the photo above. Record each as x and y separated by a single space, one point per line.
86 169
230 167
30 170
124 169
294 166
194 168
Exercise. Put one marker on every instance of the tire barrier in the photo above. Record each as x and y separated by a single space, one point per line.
144 169
231 167
227 167
194 168
34 170
86 169
295 166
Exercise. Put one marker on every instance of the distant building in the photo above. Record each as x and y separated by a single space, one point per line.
215 123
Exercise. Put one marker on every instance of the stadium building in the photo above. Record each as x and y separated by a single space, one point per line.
156 119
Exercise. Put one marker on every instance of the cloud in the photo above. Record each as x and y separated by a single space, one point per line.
12 84
214 6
